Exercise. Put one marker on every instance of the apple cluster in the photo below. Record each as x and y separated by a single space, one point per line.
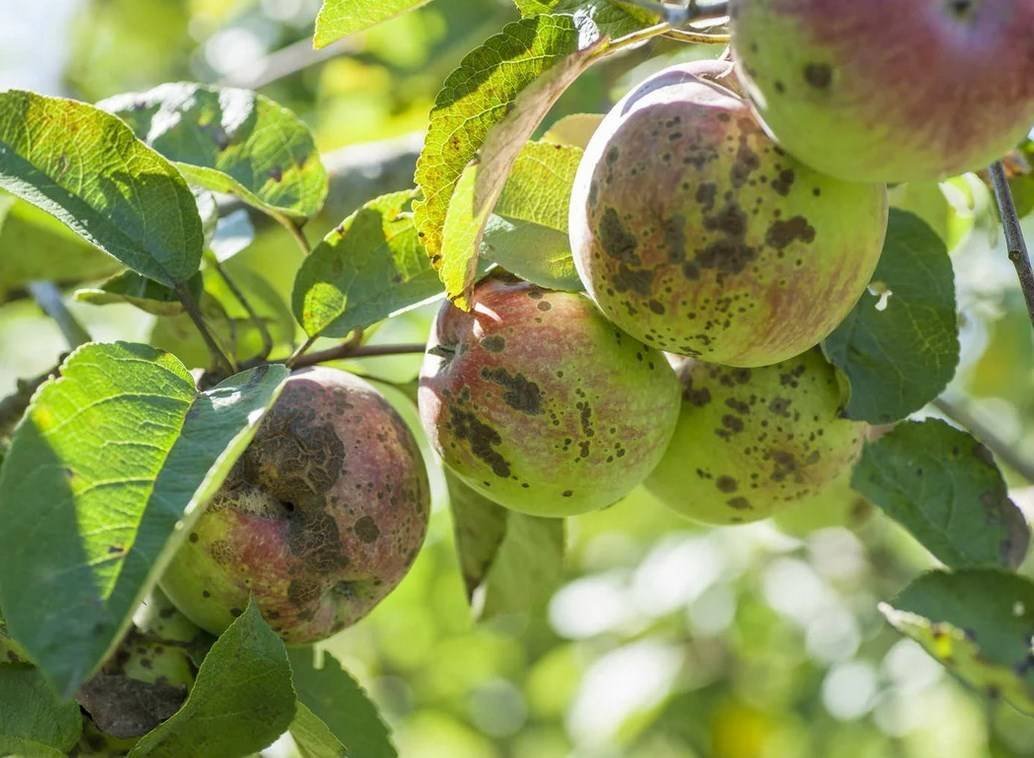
726 217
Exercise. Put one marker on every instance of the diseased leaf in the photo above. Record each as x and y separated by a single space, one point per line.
511 562
337 700
35 245
944 487
86 168
534 253
34 721
979 623
900 345
231 140
241 701
613 17
108 468
146 294
487 109
370 267
340 18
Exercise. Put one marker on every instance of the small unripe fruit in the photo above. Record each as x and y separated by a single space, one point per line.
320 518
889 91
750 442
539 403
698 235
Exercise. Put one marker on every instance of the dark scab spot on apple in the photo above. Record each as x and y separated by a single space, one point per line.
521 394
818 75
782 233
495 343
726 484
656 306
544 305
705 196
481 437
567 493
739 503
639 281
303 591
783 183
674 231
313 536
617 242
697 397
780 406
193 537
733 423
366 530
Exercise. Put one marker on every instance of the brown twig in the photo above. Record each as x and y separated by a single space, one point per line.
1013 234
346 350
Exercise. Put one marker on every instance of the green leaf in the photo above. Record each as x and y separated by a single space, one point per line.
612 16
336 699
979 623
35 245
34 721
900 345
487 109
86 168
511 562
534 253
231 140
146 294
340 18
538 188
314 738
944 487
370 267
241 702
575 130
107 470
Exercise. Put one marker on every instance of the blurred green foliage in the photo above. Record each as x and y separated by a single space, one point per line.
667 639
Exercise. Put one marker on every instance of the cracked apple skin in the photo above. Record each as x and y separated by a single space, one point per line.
539 403
697 234
752 442
885 90
319 519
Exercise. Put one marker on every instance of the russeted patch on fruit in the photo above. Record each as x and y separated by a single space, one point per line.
889 91
541 404
751 442
698 235
320 518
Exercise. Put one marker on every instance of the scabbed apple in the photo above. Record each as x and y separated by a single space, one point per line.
885 90
542 405
697 234
320 518
750 442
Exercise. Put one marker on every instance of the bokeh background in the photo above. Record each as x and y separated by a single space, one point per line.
666 639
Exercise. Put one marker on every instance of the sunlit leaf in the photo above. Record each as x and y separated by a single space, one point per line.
110 464
339 18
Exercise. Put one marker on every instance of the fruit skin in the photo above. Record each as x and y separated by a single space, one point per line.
943 89
319 519
696 234
750 442
540 404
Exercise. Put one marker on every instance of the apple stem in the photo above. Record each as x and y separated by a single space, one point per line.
1013 234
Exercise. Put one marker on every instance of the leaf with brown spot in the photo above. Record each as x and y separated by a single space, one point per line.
941 484
979 623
